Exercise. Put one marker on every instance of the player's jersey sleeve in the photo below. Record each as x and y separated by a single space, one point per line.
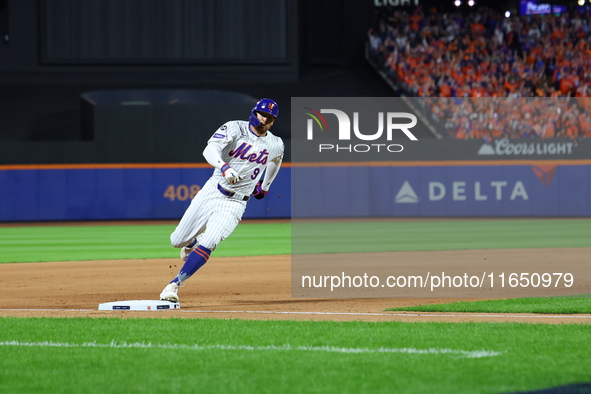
280 151
276 148
225 135
221 141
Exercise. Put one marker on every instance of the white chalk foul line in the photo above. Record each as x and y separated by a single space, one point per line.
393 314
326 349
414 314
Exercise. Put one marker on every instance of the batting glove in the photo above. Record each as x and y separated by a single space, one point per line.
230 174
258 191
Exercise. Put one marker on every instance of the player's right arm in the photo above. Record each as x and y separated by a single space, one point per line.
213 154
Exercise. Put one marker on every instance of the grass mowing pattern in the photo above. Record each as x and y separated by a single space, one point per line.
72 243
515 305
532 356
390 236
63 243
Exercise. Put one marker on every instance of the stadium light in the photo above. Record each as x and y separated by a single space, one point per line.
472 2
457 3
507 14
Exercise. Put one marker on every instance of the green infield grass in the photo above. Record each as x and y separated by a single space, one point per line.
109 242
102 355
341 236
550 305
70 243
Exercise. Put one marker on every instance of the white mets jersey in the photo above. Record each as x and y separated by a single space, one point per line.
247 153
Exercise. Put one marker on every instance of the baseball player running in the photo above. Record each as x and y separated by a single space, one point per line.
240 151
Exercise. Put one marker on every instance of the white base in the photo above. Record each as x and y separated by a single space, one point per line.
139 305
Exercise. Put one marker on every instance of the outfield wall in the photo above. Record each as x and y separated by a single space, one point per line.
444 189
117 192
418 189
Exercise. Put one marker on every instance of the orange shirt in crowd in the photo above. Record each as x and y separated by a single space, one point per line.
571 129
414 22
550 130
585 122
477 28
566 85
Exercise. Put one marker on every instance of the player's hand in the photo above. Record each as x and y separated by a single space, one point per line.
258 191
230 174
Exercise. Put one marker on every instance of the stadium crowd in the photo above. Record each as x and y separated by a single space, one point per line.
483 54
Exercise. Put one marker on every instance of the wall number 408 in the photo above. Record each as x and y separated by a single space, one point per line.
181 192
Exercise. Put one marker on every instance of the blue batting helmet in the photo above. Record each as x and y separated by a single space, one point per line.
264 105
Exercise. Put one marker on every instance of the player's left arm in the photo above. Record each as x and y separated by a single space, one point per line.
271 172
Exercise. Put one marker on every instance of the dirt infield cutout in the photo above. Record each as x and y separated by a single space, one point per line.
256 287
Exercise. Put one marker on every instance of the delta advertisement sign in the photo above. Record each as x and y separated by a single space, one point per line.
432 191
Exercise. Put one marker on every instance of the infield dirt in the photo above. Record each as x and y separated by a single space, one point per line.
255 287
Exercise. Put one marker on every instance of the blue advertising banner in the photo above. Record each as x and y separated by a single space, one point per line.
453 190
109 192
443 189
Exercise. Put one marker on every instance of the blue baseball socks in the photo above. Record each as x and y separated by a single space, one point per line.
196 259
